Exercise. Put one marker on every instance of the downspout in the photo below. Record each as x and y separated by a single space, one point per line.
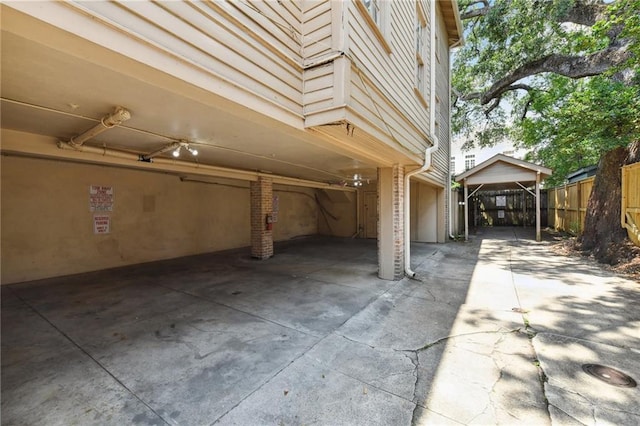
407 205
428 152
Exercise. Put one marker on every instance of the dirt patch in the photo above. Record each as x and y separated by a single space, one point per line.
626 255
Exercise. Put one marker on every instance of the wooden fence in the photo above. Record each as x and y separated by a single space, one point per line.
630 218
567 206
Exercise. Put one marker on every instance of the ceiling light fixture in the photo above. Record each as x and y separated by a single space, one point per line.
175 147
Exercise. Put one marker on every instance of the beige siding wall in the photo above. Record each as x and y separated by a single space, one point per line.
252 47
323 37
441 158
47 228
317 28
382 83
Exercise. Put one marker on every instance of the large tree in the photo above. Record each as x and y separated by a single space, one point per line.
558 77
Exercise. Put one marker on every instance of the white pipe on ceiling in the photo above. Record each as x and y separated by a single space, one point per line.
117 117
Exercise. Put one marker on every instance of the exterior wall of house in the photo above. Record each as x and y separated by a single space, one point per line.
382 76
302 63
155 216
247 52
425 212
458 154
321 26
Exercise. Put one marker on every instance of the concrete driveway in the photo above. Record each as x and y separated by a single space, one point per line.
494 331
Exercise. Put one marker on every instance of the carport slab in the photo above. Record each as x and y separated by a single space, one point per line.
53 382
310 393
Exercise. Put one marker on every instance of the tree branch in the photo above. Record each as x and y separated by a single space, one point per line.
473 13
584 12
526 108
569 66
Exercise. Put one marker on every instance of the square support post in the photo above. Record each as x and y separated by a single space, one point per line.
391 222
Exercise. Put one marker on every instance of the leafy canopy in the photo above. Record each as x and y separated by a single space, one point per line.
565 123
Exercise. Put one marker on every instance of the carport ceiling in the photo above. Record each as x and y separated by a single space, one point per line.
49 92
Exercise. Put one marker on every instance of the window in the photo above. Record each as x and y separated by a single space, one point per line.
373 6
421 34
377 14
453 164
469 161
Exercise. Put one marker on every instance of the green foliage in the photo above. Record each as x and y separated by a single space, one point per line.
565 124
575 122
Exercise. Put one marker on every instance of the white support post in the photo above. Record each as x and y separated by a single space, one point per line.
524 208
538 236
466 211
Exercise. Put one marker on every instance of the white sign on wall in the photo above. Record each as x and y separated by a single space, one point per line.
101 224
500 214
501 201
100 198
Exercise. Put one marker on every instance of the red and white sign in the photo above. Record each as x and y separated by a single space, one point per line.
100 198
101 224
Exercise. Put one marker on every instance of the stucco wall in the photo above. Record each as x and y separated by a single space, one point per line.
298 213
48 229
337 213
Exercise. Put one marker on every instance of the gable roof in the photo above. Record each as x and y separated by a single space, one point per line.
504 171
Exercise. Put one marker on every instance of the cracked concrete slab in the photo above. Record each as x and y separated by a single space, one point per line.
308 392
489 359
399 322
312 336
387 369
65 394
576 395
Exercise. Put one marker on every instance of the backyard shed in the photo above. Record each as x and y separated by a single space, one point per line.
503 172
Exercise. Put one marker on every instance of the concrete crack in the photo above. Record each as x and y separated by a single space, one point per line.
352 340
413 357
444 339
567 414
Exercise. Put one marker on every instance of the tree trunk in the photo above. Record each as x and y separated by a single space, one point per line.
602 231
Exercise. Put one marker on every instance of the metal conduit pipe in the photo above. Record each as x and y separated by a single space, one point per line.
98 150
171 147
203 169
117 117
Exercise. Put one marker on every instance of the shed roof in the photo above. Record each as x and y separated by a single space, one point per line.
503 172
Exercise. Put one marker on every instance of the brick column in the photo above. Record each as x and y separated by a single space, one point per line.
391 223
261 206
